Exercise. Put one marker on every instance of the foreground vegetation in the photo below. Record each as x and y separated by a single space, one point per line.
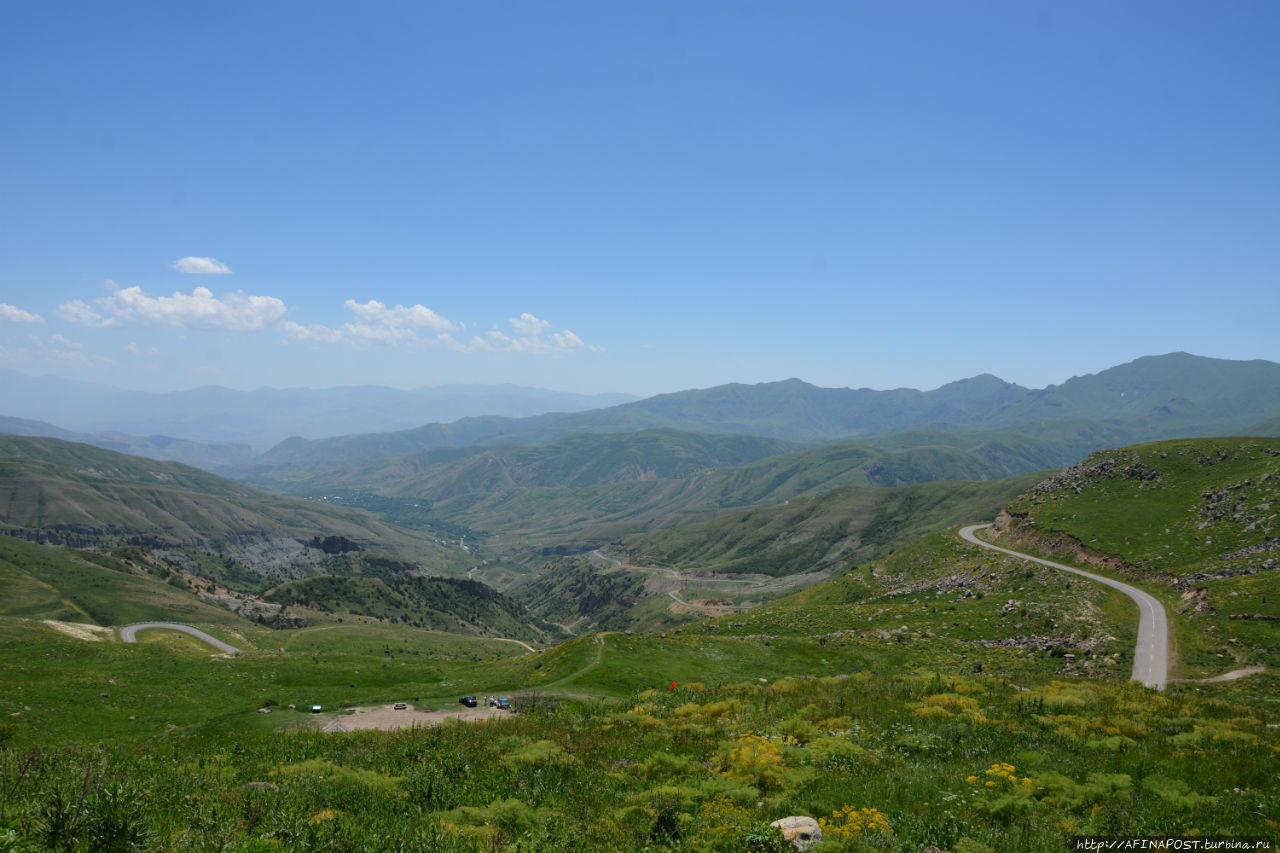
907 705
887 763
939 696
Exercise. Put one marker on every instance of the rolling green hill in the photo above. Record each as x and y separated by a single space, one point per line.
594 487
799 541
577 460
57 491
579 597
43 582
825 532
441 604
1198 520
1178 508
53 583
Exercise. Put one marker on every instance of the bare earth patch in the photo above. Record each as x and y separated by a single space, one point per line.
386 717
1227 676
80 630
703 607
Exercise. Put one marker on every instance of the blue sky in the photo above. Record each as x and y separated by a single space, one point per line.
634 196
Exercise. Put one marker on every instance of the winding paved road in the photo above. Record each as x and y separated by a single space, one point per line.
1151 655
129 634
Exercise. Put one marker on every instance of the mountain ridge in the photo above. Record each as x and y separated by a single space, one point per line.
265 416
1149 398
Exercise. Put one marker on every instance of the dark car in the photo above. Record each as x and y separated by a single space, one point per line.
469 701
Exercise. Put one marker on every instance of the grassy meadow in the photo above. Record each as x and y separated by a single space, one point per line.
923 700
886 762
939 696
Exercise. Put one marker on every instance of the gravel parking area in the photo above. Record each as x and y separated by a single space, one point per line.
386 717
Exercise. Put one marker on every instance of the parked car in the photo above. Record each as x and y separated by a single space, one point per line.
502 703
469 701
400 706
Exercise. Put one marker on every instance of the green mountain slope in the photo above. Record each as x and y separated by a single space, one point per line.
1164 395
52 583
638 582
441 604
43 582
598 486
1196 520
1178 508
821 533
58 491
579 597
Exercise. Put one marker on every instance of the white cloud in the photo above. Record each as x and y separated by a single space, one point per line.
375 313
199 309
13 314
58 352
80 312
201 266
528 325
378 324
59 340
528 338
315 332
566 341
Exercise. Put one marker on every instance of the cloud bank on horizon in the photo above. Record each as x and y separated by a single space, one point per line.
375 323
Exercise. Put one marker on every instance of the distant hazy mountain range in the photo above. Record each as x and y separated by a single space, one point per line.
202 454
1152 397
266 416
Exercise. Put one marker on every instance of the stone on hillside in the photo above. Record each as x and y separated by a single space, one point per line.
803 832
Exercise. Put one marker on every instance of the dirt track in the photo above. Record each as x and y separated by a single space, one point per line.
386 717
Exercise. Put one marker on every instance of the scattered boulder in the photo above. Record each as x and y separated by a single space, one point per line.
803 832
1194 602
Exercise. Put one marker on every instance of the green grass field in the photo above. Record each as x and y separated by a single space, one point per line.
889 761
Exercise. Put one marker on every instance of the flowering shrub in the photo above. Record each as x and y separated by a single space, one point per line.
852 821
757 761
999 773
724 817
